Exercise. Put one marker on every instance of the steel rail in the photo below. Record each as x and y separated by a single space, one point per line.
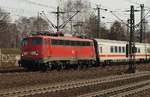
132 92
121 88
26 91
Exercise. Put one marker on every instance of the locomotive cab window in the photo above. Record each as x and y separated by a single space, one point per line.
36 41
24 42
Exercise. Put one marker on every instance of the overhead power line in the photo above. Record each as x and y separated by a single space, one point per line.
38 4
130 1
118 18
45 17
143 18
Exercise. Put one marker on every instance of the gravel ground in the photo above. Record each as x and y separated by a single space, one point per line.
93 88
145 67
145 93
11 80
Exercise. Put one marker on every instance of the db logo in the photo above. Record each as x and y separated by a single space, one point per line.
73 52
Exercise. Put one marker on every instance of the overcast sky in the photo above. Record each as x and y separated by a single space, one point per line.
32 7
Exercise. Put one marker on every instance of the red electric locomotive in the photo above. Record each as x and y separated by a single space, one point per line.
42 52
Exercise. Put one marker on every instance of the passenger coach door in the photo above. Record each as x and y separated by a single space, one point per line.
96 51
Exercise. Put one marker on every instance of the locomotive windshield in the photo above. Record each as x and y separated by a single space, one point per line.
24 42
36 41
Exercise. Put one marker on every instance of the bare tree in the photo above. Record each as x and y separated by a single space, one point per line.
5 33
91 28
24 25
39 24
13 35
33 24
4 16
117 31
77 24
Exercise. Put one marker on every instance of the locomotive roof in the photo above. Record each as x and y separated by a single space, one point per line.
62 38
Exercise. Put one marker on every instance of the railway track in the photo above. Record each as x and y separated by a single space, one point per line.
132 92
48 88
21 69
12 70
122 91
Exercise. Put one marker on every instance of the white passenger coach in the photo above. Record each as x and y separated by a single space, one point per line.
115 51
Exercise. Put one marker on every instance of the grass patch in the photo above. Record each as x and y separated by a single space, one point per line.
10 51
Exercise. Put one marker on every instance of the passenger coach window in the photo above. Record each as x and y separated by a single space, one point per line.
116 50
119 49
111 49
123 49
148 50
138 50
36 41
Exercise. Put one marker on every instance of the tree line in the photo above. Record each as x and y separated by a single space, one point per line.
83 24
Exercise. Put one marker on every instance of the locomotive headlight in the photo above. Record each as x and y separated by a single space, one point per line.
34 53
24 53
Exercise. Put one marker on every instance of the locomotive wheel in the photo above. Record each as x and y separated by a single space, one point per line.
74 66
58 67
50 67
80 67
43 67
62 67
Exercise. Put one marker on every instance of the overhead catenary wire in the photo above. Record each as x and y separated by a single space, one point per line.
38 4
143 18
116 10
118 18
47 6
130 1
126 23
45 17
70 18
